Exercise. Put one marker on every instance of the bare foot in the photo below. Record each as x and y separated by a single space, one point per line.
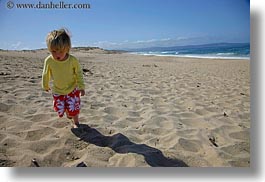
76 125
75 121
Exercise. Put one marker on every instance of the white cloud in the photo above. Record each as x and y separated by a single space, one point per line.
163 42
19 45
145 41
16 45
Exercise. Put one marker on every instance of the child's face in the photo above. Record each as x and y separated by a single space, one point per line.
59 55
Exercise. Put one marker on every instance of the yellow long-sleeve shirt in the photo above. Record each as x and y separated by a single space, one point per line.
66 75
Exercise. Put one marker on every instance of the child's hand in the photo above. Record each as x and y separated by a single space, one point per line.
82 92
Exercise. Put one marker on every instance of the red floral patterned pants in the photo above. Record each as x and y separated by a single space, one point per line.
69 103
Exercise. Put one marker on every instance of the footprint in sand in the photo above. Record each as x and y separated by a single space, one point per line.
190 145
62 124
38 134
43 146
40 117
4 107
237 149
241 135
2 137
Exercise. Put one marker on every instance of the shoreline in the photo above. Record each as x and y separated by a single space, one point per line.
91 49
192 56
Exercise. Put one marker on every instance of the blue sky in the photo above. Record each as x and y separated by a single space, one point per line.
117 24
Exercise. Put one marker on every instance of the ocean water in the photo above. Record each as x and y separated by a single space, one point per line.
216 51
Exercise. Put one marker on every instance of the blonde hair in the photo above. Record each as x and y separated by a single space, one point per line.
58 40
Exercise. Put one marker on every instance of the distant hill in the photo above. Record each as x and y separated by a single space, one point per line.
74 49
86 48
174 48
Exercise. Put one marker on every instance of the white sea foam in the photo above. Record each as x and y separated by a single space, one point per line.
225 54
202 56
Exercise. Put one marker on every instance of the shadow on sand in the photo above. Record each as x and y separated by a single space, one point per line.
121 144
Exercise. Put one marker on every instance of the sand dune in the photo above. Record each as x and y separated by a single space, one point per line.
139 111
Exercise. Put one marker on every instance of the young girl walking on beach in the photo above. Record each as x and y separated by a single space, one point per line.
66 75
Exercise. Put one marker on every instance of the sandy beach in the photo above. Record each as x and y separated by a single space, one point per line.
138 111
